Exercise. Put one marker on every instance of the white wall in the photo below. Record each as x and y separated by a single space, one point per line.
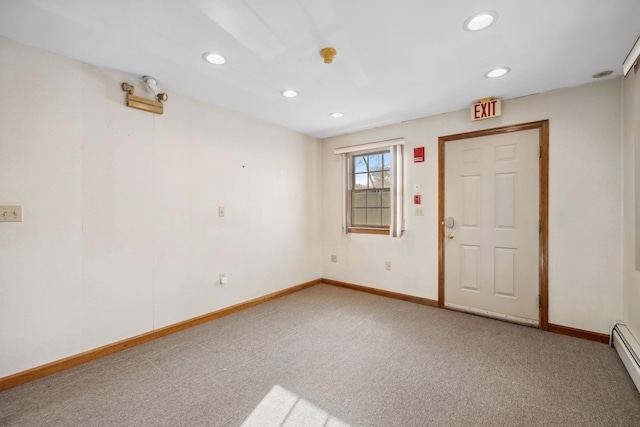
631 294
585 199
121 233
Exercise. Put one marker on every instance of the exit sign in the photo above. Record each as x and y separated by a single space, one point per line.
486 109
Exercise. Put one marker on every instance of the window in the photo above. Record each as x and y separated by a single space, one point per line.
372 188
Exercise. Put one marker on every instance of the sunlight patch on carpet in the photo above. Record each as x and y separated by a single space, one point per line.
282 408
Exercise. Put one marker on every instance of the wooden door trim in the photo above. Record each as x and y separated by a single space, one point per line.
543 241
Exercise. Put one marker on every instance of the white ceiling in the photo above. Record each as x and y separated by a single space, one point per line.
397 59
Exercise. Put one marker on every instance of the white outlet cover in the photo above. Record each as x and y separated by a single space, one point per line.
416 188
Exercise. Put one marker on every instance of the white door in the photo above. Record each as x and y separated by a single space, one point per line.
491 249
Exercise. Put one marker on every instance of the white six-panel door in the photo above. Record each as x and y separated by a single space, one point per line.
491 246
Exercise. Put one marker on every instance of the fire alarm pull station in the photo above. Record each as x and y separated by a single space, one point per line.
416 199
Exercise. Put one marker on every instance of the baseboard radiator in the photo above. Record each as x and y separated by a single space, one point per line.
628 349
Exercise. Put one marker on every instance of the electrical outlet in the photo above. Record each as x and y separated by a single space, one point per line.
419 211
387 265
220 211
223 279
10 213
334 258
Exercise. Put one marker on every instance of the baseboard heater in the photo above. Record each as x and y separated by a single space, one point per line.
628 349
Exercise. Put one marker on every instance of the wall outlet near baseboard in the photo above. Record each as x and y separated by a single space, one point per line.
223 279
387 265
334 258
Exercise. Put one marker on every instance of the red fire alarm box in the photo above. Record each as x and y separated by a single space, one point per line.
416 199
418 154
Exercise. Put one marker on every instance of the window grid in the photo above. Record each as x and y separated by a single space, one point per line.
371 190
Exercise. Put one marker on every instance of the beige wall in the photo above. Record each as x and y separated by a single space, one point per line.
121 233
585 199
631 294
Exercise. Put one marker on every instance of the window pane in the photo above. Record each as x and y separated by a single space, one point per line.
374 216
375 180
374 199
386 179
360 181
371 195
386 216
375 162
359 216
386 199
359 199
359 164
387 161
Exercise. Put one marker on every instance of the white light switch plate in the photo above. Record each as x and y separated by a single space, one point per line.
10 213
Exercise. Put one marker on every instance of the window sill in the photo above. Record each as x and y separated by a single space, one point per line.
365 230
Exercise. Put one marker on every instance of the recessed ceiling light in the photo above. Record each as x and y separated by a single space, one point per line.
289 93
480 21
336 115
213 58
498 72
602 74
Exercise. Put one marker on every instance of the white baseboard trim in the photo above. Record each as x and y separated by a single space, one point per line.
628 349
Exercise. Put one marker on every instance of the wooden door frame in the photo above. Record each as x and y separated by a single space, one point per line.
543 240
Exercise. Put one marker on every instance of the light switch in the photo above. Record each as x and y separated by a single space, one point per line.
220 211
10 213
416 188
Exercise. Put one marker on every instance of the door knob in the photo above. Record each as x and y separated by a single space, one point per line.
450 235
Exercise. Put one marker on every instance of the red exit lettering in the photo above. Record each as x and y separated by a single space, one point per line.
486 110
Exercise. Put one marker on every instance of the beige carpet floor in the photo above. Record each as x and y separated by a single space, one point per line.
333 357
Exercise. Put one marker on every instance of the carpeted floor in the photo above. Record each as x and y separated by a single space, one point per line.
333 357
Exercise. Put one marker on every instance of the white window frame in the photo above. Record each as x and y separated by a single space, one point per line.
395 148
632 58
